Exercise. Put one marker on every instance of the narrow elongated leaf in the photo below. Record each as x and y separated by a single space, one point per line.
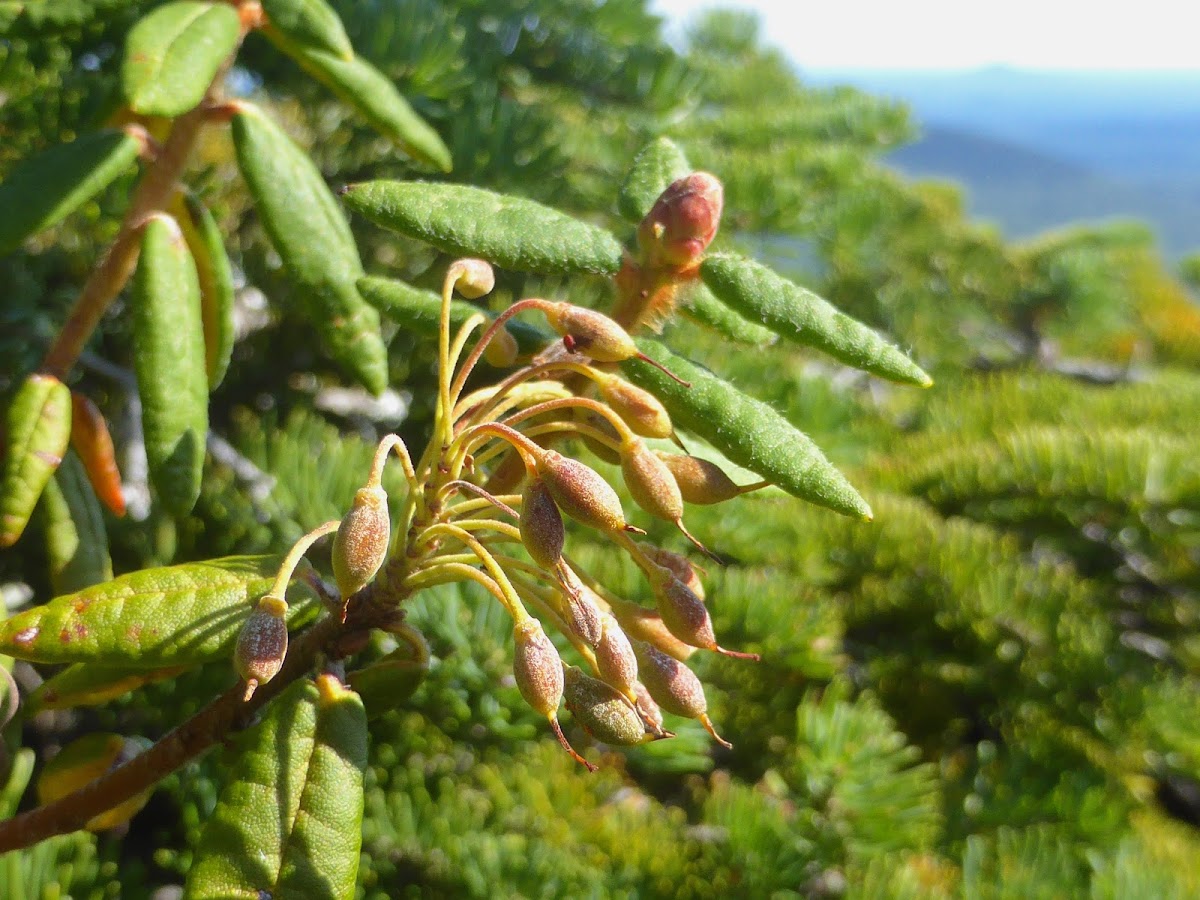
87 684
311 24
799 315
173 54
701 306
92 442
38 426
76 540
746 430
288 822
169 364
357 82
83 761
155 618
420 311
47 188
658 164
310 232
204 240
511 232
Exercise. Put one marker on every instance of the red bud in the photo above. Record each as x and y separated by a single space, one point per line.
682 222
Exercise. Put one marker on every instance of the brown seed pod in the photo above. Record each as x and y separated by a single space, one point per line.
601 710
581 492
682 222
653 487
541 524
647 625
685 615
674 686
699 480
591 333
614 658
579 608
651 714
538 671
262 643
640 409
361 543
679 566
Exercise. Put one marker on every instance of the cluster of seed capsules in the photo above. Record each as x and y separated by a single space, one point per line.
490 479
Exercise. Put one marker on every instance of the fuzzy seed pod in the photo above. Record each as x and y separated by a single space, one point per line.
475 277
541 524
647 625
651 713
262 643
682 222
674 686
593 334
640 409
581 492
580 609
682 611
501 352
614 658
601 710
537 668
361 543
699 480
679 566
603 451
650 482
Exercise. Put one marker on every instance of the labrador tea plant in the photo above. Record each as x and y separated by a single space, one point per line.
487 500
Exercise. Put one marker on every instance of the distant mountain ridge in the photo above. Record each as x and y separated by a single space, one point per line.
1038 150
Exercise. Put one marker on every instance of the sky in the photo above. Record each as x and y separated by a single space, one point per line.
957 34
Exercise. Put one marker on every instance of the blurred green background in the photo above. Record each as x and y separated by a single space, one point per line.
990 691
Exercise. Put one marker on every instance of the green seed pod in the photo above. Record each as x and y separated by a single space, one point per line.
537 668
614 658
581 492
541 524
262 643
591 333
679 566
647 625
502 350
476 277
601 710
82 762
682 222
674 686
37 431
699 480
650 482
361 543
171 372
580 609
640 409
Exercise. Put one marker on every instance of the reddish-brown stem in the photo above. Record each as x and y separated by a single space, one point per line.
211 725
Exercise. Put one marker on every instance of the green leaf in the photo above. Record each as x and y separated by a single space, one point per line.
701 306
169 334
215 274
309 23
388 683
514 233
357 82
310 232
45 189
801 316
420 311
289 821
38 426
657 165
173 54
152 619
748 431
83 761
76 540
87 684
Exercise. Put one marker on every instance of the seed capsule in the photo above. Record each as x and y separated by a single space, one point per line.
685 615
653 487
682 222
699 480
614 658
474 277
647 625
581 612
581 492
541 524
679 566
502 350
651 714
538 671
601 710
640 409
361 543
602 450
262 644
674 686
590 333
